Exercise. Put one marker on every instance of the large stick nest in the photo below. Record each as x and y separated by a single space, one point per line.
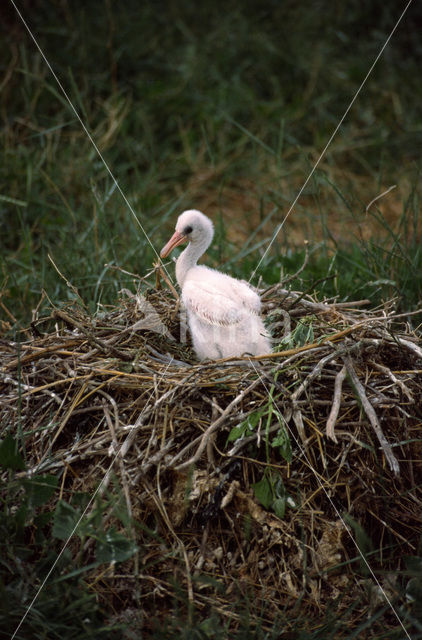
118 396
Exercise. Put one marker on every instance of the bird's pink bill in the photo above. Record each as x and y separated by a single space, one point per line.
176 239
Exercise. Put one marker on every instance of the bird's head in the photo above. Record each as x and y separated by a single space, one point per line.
192 226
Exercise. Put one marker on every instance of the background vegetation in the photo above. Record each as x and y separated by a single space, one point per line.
223 107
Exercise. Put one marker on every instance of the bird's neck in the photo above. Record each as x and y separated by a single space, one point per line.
188 259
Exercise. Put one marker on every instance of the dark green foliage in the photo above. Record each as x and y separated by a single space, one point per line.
168 93
10 458
37 566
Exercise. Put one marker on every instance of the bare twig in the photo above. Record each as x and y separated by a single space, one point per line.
395 380
372 416
203 440
332 418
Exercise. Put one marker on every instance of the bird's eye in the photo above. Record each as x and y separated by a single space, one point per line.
187 230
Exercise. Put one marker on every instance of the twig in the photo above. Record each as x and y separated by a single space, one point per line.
396 381
203 440
158 267
409 345
66 418
58 313
317 370
372 416
127 444
333 337
123 473
243 442
332 418
114 449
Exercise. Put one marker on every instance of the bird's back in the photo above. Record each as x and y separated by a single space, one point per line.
223 315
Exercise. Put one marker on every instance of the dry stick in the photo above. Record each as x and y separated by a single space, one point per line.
173 390
395 340
158 267
65 420
97 341
145 413
390 528
44 387
372 416
38 352
158 499
210 444
203 440
316 371
314 306
65 460
333 337
107 344
115 445
154 460
332 418
123 474
409 345
7 379
242 442
298 420
127 444
106 477
396 380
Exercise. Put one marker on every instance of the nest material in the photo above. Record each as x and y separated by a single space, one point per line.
120 394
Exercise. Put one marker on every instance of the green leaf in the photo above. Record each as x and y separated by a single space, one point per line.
254 417
282 441
10 458
39 489
76 572
311 336
279 506
247 425
237 432
20 517
363 541
65 519
80 499
302 334
40 523
263 492
114 547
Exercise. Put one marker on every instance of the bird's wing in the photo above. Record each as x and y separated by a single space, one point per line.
211 304
245 295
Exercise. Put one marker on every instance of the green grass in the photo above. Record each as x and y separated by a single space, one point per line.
224 103
232 95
